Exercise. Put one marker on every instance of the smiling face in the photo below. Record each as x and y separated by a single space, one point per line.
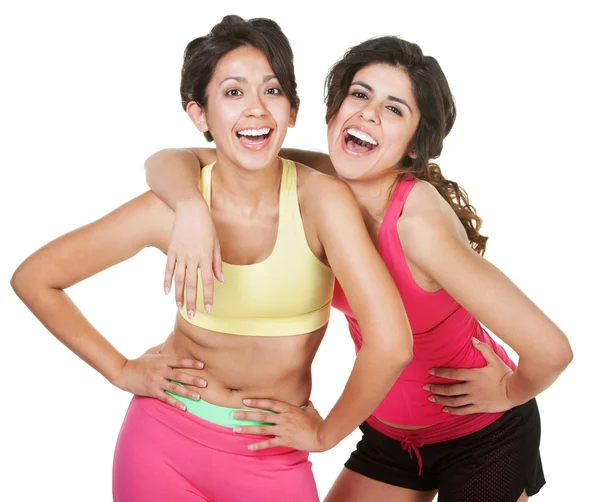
372 130
247 112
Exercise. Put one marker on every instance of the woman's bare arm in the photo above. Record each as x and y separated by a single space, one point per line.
173 175
331 210
318 161
375 301
431 240
40 281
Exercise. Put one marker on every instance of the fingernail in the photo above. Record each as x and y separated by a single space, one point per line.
182 407
237 429
195 397
474 339
222 277
202 384
431 372
207 308
426 387
179 305
247 401
190 314
200 364
167 290
236 414
431 398
251 447
445 410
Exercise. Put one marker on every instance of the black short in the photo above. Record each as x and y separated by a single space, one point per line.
494 464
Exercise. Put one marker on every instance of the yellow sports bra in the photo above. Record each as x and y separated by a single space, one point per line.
287 294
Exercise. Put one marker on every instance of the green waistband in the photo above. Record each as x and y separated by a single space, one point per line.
219 415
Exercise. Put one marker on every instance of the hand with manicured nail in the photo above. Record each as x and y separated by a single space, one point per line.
478 390
293 426
193 245
153 373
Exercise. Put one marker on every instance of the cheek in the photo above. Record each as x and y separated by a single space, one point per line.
281 111
333 133
334 128
222 117
349 108
398 137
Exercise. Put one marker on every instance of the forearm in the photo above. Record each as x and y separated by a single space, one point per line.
372 376
62 318
173 176
318 161
532 378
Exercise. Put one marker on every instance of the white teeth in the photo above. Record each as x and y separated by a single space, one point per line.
362 136
255 132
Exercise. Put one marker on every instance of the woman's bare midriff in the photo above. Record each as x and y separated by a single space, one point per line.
237 367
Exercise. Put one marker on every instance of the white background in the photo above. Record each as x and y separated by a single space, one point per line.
90 89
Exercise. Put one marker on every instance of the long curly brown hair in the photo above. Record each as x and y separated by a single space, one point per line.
438 113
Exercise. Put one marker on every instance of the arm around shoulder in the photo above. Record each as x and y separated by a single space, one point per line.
173 174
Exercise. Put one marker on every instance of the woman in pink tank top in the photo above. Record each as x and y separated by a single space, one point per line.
461 421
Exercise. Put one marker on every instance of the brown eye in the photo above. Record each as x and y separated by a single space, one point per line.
233 92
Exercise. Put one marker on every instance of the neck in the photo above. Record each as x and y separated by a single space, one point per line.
373 196
245 189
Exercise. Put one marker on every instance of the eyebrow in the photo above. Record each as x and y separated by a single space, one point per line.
392 98
244 80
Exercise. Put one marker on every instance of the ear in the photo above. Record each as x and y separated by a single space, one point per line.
198 116
412 153
293 115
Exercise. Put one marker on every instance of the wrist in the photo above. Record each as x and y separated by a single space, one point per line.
512 389
326 437
114 377
193 202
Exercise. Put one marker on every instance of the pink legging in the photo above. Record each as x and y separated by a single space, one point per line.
167 455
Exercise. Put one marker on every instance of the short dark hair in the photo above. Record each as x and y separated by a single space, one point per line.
202 55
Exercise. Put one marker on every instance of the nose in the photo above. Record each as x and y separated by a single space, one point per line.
256 107
370 113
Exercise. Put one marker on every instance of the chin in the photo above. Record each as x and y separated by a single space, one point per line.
349 168
255 161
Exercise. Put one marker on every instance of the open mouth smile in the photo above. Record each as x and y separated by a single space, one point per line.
357 142
254 138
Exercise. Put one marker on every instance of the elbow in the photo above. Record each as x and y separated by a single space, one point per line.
152 161
25 283
404 347
390 343
559 355
156 156
400 352
18 281
398 356
405 357
562 356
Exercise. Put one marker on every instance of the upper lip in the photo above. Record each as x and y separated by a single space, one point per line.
362 129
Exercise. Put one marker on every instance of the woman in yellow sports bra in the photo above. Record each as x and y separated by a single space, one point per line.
283 230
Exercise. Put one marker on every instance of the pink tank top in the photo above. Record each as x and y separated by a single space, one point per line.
442 331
